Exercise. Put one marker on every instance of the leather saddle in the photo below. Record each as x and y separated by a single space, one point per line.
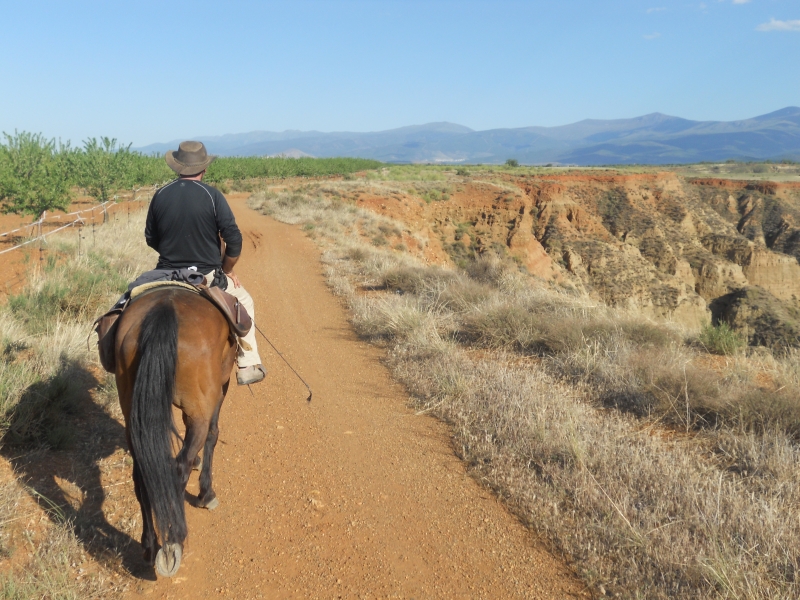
239 321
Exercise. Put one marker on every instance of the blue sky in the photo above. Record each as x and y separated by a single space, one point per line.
145 71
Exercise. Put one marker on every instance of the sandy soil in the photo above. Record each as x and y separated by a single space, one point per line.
351 495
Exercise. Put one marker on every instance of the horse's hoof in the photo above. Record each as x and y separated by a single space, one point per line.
168 559
211 504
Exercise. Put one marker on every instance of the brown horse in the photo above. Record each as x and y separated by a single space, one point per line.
173 347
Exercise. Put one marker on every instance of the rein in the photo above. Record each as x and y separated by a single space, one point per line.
310 393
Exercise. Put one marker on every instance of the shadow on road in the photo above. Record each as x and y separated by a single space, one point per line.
56 442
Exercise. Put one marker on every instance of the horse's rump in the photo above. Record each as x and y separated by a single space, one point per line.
203 335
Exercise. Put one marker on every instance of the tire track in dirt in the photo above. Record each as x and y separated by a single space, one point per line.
351 495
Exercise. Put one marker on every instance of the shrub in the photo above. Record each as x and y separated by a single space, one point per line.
721 339
414 280
512 162
42 415
462 294
489 269
504 326
765 411
643 333
78 289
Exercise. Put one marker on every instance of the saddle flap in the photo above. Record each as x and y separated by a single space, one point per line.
236 314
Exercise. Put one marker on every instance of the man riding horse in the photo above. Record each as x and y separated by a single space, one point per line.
171 342
185 222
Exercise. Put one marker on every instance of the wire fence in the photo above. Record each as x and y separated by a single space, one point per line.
104 208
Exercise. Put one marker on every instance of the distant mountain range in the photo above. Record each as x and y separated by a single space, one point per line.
651 139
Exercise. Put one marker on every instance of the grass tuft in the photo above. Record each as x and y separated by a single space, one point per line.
721 339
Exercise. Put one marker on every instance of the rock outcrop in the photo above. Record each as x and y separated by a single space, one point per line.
672 247
655 241
758 315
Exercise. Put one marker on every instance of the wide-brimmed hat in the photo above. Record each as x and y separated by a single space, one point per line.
189 159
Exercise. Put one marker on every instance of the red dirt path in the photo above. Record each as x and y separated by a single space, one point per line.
352 495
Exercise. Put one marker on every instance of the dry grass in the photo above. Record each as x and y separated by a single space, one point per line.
10 494
325 213
56 570
661 471
47 375
44 328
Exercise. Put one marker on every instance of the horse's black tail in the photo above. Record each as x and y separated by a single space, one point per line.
151 425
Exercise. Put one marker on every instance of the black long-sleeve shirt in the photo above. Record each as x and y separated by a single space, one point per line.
184 223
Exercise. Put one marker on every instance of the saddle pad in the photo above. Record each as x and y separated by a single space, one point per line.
145 287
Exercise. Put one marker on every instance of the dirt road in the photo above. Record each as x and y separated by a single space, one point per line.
351 495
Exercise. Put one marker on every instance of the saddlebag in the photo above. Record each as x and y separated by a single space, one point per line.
106 328
239 320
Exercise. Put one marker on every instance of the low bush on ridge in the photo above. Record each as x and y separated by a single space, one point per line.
721 339
560 405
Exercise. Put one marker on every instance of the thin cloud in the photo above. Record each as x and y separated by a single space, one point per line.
652 36
776 25
741 1
657 9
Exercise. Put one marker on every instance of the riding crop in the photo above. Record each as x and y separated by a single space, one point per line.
310 393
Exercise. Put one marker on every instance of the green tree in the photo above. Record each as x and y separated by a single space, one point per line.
104 167
512 162
149 170
34 174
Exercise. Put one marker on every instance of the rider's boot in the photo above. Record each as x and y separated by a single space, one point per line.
251 374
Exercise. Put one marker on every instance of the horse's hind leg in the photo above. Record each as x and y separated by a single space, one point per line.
196 432
207 498
198 460
168 558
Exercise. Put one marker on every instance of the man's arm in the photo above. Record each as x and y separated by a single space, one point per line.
150 233
229 231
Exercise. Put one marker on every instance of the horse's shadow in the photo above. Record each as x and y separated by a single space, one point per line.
57 439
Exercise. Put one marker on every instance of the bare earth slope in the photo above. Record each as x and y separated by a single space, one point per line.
673 248
351 495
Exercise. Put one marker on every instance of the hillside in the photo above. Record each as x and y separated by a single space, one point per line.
687 250
650 139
